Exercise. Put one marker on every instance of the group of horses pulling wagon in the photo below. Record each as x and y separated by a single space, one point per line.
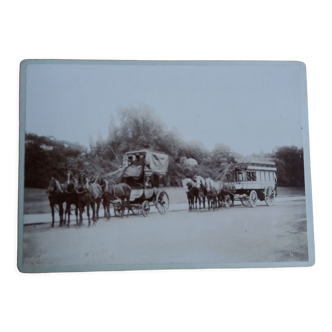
136 186
245 182
140 183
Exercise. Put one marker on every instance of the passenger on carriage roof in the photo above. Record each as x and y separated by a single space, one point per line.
137 160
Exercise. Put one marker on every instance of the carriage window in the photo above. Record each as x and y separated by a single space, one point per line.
258 174
239 176
251 176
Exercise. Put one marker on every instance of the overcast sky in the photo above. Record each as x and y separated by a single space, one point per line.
250 107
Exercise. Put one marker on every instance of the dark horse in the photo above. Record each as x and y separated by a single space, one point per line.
71 197
104 186
226 195
56 196
192 193
87 195
113 192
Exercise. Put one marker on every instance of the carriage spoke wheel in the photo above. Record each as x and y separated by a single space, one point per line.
244 201
162 202
145 208
253 198
227 201
118 211
136 209
269 195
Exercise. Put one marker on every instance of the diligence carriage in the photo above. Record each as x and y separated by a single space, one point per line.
253 181
145 172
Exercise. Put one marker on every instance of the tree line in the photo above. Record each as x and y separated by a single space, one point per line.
140 128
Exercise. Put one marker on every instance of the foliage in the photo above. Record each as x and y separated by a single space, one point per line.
140 128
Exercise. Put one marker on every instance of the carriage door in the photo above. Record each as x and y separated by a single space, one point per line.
162 181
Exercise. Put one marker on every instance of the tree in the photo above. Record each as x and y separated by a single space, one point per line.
289 161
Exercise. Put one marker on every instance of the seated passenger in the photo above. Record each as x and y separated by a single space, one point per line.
130 160
148 183
137 160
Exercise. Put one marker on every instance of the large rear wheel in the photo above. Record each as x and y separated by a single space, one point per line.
269 195
162 202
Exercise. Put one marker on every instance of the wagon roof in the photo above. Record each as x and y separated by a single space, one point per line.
146 151
257 165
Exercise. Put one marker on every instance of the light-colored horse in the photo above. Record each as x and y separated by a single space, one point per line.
213 189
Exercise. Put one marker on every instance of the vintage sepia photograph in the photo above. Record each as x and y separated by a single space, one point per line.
135 165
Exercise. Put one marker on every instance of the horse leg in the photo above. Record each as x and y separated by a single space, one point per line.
88 212
98 205
92 205
52 211
106 203
60 214
76 213
67 212
81 209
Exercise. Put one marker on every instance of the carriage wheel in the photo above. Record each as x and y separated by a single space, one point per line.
118 210
135 209
244 201
145 208
253 198
227 201
162 202
269 195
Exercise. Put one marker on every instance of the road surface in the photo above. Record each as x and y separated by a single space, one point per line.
237 235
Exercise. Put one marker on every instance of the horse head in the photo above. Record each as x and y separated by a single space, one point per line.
82 183
71 183
187 184
54 187
200 182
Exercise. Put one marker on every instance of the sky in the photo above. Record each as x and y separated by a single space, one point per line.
251 107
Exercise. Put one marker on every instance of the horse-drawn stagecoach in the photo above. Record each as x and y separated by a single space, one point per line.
145 172
255 181
246 182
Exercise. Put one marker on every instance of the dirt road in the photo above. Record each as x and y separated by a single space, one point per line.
237 235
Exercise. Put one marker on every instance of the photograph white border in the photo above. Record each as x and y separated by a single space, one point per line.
312 256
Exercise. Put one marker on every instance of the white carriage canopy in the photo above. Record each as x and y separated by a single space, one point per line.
149 162
137 162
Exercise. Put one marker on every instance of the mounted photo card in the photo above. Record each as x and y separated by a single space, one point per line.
142 165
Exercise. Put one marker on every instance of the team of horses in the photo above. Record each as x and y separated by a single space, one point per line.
83 194
215 193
